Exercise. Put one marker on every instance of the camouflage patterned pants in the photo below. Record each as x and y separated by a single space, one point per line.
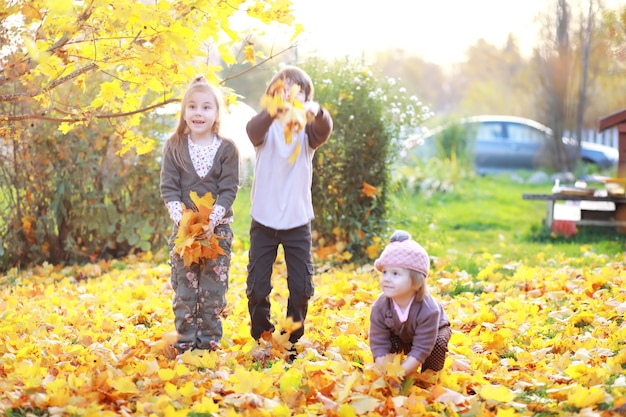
200 295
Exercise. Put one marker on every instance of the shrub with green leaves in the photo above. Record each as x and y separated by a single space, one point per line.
439 161
352 170
70 198
456 142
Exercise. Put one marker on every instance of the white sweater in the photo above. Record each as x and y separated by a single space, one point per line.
281 190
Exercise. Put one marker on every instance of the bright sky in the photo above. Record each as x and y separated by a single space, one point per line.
438 30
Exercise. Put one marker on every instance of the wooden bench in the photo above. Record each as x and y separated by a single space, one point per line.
611 218
607 220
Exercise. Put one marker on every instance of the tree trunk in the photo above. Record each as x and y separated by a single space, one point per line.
586 36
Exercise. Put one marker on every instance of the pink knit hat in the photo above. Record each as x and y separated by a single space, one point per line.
404 252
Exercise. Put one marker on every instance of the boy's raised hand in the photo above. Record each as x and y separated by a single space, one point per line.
311 108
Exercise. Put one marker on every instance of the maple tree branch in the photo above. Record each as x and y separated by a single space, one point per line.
269 58
230 5
116 38
42 116
63 40
52 85
70 76
92 66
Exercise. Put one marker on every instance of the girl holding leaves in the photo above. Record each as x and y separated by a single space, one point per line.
199 183
285 135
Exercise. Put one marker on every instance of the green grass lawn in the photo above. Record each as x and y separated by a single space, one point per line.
487 215
481 217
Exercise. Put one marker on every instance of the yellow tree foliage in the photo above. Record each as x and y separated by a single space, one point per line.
616 22
145 51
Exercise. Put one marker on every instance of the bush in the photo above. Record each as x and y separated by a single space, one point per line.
71 198
456 143
352 170
439 161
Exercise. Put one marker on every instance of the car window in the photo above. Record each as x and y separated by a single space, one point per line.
489 130
523 133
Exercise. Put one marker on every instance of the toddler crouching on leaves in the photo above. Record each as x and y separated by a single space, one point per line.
406 318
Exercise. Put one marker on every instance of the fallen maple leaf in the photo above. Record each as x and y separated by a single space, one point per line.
369 190
327 403
497 393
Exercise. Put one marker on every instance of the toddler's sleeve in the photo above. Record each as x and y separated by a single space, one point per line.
380 333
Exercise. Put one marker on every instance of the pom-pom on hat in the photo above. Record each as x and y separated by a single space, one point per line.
404 252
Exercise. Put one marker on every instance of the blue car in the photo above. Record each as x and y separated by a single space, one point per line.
512 143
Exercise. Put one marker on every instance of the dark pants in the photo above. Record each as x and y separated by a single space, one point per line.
264 242
200 295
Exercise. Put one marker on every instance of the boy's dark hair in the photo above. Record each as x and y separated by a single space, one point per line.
297 76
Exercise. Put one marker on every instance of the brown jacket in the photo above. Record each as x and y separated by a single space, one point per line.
419 331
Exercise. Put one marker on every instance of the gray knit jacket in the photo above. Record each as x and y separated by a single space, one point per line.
222 181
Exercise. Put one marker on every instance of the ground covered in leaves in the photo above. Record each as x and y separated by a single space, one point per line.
95 341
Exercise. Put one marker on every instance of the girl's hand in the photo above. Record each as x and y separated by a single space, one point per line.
410 365
210 231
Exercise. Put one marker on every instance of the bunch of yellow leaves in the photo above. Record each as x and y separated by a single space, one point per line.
282 102
192 243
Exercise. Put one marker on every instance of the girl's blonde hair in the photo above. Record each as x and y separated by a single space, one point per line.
295 75
419 283
177 140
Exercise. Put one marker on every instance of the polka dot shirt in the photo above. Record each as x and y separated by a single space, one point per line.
202 158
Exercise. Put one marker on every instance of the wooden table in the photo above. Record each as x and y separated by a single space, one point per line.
551 199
